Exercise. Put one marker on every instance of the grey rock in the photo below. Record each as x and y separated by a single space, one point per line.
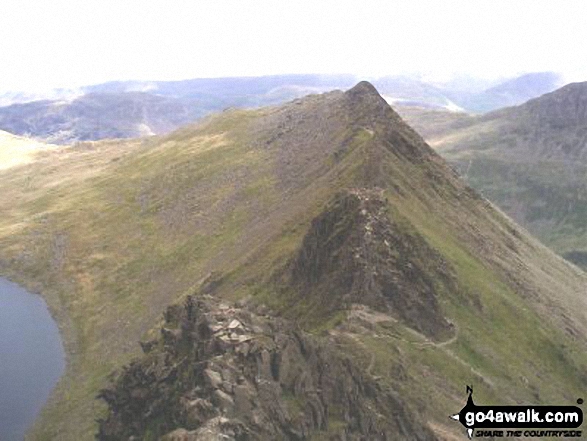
223 400
180 435
290 386
214 379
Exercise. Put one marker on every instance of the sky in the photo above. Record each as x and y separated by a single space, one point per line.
69 43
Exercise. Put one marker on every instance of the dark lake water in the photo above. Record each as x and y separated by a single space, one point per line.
31 358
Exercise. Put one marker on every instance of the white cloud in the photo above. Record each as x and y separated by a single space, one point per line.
68 43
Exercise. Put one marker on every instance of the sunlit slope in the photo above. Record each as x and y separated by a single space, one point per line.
16 150
112 232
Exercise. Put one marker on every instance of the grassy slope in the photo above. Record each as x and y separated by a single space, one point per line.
112 232
507 341
518 165
15 150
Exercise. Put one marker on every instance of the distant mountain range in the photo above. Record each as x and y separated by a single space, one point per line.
509 93
129 109
529 159
98 116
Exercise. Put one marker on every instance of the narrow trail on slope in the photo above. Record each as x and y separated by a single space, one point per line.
361 313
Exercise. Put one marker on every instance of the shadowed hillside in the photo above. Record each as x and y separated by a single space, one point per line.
531 160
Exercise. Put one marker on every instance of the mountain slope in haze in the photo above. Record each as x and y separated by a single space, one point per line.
461 96
98 116
126 109
129 109
406 90
19 97
525 87
531 160
230 89
328 213
510 92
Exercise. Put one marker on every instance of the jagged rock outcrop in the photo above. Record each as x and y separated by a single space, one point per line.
224 372
354 252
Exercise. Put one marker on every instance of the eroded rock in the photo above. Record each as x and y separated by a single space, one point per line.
279 384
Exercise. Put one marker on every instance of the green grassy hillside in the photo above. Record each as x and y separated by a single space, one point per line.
113 232
530 160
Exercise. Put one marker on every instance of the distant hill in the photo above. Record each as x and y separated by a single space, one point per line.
459 96
127 109
510 93
322 274
526 87
138 108
249 91
21 97
412 91
98 116
530 159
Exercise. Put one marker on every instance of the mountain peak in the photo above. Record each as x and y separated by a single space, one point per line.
363 88
369 108
364 93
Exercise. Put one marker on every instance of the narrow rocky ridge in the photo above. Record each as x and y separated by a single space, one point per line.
223 371
354 252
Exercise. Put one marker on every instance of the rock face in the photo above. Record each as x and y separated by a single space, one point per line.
223 372
355 253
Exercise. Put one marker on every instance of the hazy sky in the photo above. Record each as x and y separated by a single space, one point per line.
71 42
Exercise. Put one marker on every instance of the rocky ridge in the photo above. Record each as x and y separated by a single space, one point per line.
355 252
221 371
